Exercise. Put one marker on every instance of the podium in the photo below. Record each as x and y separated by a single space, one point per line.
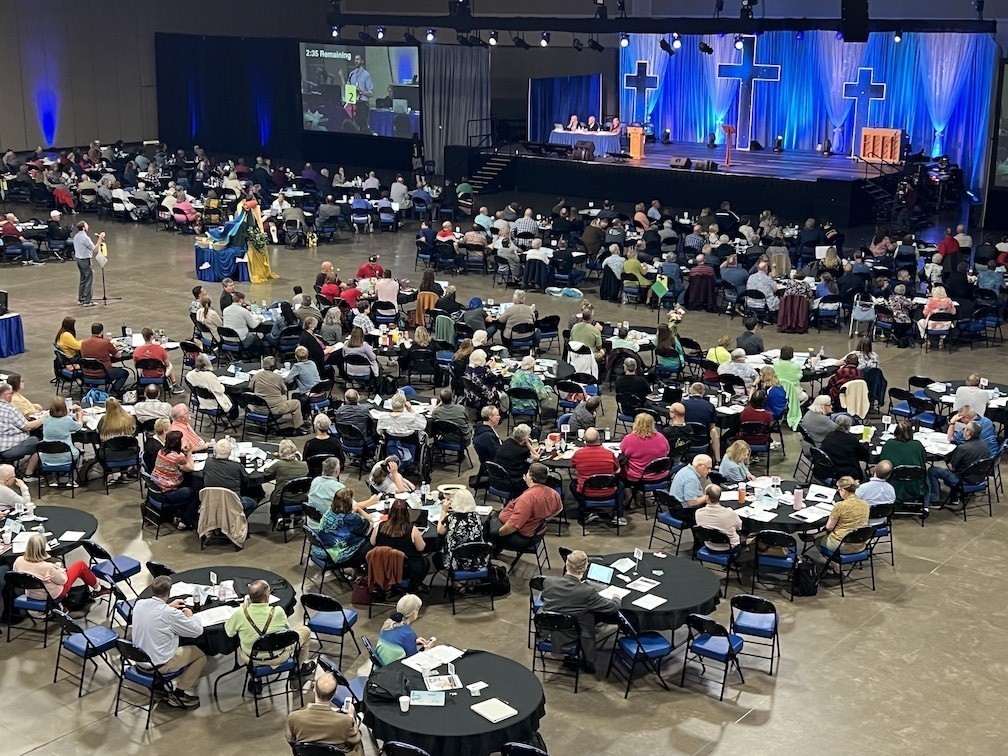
881 144
636 141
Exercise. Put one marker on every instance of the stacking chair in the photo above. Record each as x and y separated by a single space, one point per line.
17 584
259 415
325 563
759 430
477 553
136 668
757 618
631 648
266 647
69 469
727 559
536 546
711 641
118 454
657 476
327 618
880 516
115 570
671 520
765 561
535 603
598 493
86 645
397 748
522 749
544 652
356 445
849 561
964 492
292 496
909 474
122 608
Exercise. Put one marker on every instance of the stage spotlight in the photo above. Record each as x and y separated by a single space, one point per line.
676 42
738 42
380 32
778 144
544 39
799 35
492 39
839 35
897 37
664 45
595 45
666 137
365 36
335 32
705 48
520 42
578 44
624 39
431 35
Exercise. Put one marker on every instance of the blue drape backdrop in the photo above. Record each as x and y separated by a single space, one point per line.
938 90
555 99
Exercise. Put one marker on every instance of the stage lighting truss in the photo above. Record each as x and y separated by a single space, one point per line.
544 39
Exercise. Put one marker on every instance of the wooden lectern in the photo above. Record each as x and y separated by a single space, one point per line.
881 144
636 141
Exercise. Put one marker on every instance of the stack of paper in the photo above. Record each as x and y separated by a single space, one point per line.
761 515
820 493
811 514
614 593
649 601
643 584
624 565
215 615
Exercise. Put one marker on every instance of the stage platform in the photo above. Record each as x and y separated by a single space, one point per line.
794 185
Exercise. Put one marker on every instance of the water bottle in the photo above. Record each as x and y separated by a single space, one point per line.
264 306
798 499
123 329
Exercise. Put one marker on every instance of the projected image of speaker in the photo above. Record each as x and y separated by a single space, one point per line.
584 150
680 162
705 165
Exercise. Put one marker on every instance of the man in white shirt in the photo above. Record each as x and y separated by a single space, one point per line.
237 317
371 182
713 515
737 366
399 193
538 252
151 408
964 239
971 395
157 626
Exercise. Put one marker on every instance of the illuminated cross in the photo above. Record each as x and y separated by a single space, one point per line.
862 91
747 72
641 82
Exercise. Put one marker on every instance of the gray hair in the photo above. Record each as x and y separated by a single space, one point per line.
577 562
463 501
843 423
288 450
629 366
738 355
487 412
521 432
321 423
519 296
222 449
269 363
899 289
398 402
406 607
974 429
203 362
331 467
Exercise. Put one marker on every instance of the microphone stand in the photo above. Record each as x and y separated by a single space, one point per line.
104 297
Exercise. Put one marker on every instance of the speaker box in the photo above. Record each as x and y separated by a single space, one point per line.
705 165
854 20
680 162
755 146
585 146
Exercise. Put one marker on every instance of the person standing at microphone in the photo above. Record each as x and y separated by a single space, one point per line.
83 252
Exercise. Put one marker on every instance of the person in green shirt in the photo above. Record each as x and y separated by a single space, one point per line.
587 332
635 268
256 617
789 374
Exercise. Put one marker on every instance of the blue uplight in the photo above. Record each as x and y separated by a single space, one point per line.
47 105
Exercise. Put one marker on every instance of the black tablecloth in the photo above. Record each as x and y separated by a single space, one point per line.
454 729
995 414
214 640
783 521
61 519
686 585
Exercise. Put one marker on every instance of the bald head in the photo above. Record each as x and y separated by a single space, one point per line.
591 436
972 379
883 469
326 266
678 409
325 688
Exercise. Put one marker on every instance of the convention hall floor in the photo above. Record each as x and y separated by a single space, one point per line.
914 668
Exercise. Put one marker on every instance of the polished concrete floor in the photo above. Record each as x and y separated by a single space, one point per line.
913 668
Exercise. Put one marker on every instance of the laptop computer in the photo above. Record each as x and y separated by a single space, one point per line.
558 127
599 573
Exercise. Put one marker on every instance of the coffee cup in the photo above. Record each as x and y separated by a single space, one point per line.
403 704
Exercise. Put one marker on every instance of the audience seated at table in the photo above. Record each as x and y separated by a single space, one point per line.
256 618
569 594
398 532
202 376
318 722
289 466
848 371
151 407
386 478
845 450
763 283
324 486
904 450
397 640
971 394
776 396
459 524
66 339
850 513
969 450
748 340
868 364
13 490
877 489
725 519
735 463
269 385
642 445
97 347
22 403
939 301
57 579
521 517
158 624
15 441
220 471
700 410
594 459
817 421
688 484
738 366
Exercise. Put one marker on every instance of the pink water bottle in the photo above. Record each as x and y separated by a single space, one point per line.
798 502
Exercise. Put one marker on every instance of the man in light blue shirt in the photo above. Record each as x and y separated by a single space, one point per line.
361 79
325 486
689 483
157 626
877 490
967 414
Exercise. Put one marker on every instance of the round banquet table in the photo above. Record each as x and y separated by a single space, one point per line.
60 520
454 729
783 520
557 460
996 414
214 641
687 586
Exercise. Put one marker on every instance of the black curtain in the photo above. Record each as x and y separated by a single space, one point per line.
456 90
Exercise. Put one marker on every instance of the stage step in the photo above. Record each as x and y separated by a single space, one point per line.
486 175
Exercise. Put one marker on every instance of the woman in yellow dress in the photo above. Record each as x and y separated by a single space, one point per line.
258 254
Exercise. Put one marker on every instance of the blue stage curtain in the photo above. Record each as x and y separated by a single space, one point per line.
938 90
555 99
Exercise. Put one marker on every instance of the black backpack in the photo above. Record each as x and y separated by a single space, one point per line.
806 577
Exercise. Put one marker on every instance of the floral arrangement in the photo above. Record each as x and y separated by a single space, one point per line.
256 238
675 317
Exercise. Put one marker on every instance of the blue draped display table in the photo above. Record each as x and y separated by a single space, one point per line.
11 335
605 144
214 265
